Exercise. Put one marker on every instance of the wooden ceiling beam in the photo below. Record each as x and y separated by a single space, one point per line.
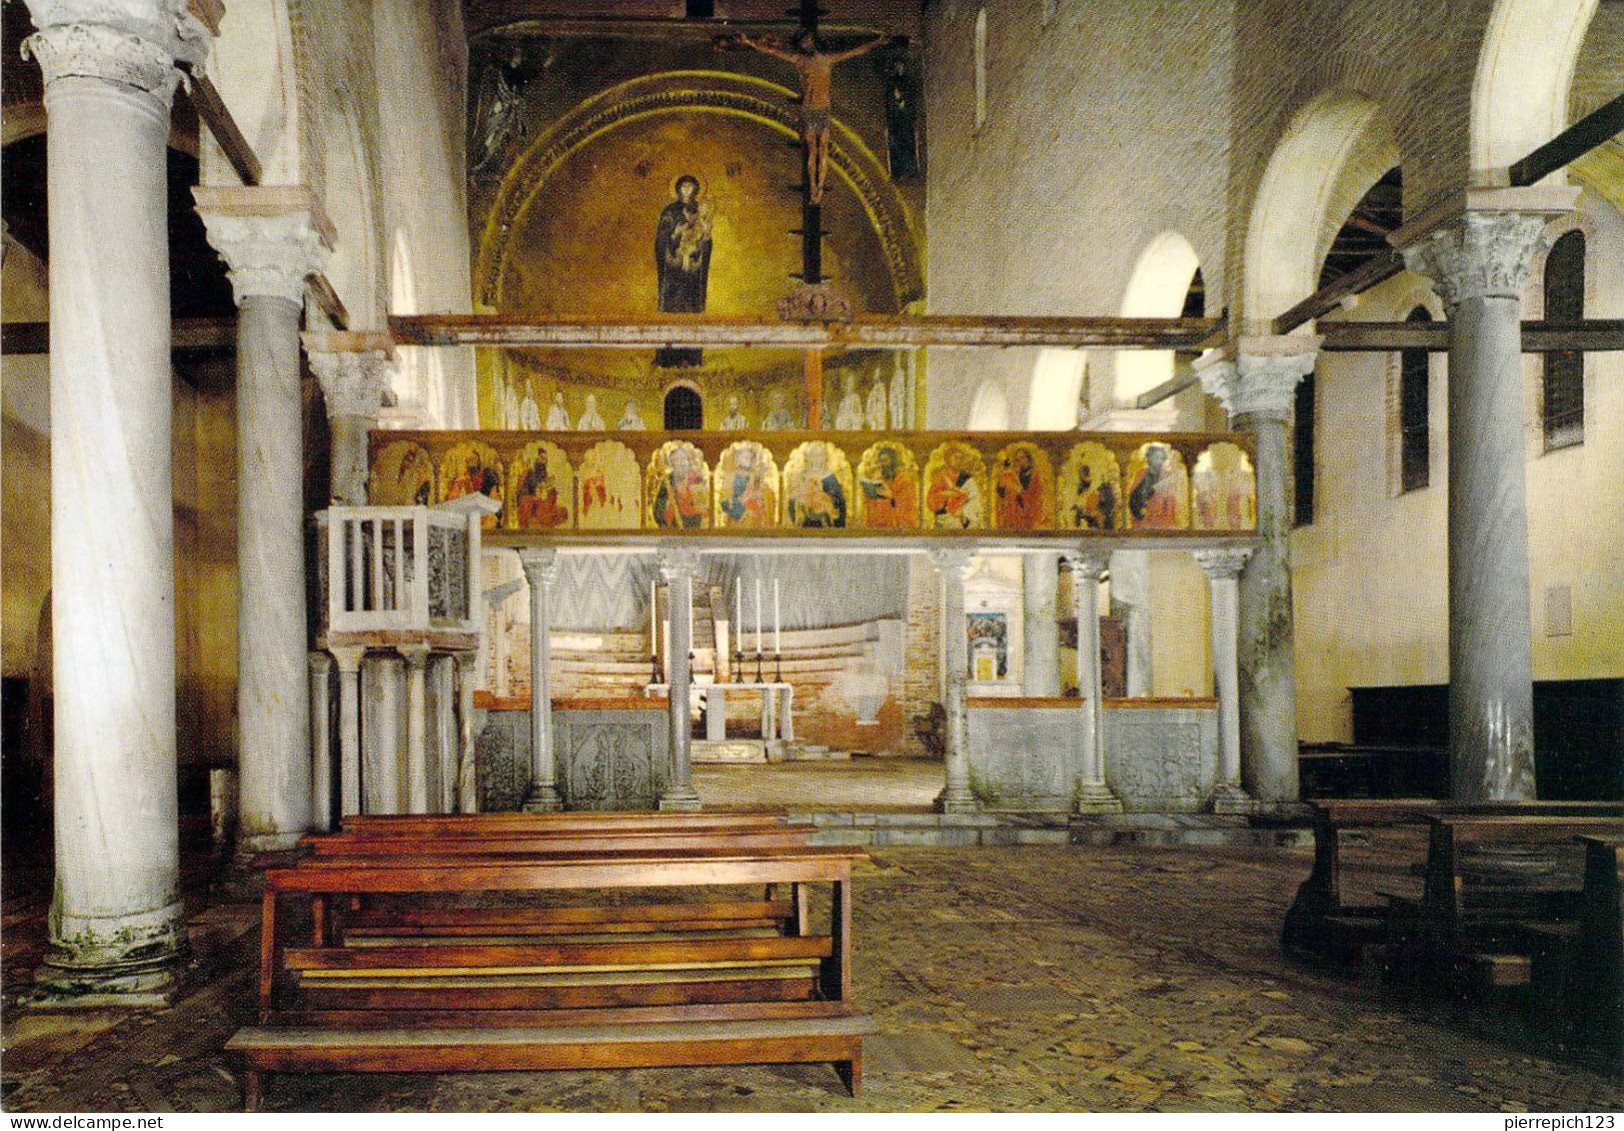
865 332
1597 335
187 335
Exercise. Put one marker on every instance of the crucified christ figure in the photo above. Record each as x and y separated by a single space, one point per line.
814 67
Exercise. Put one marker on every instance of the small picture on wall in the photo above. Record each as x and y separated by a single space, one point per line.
989 646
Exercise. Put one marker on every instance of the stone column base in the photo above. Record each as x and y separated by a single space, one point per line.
1096 797
543 799
141 966
1233 800
251 845
676 801
957 801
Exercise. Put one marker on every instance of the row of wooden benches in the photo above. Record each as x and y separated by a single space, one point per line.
1521 896
546 941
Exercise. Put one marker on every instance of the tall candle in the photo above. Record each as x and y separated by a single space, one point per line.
778 625
690 626
738 612
758 614
653 619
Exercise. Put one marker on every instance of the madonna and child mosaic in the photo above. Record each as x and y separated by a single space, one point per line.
917 482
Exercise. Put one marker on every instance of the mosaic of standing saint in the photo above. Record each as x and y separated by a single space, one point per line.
1225 489
817 486
1090 492
678 487
955 488
402 476
1023 490
608 488
746 487
541 487
1159 495
470 468
888 486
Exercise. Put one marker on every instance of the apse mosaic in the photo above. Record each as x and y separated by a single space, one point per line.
918 483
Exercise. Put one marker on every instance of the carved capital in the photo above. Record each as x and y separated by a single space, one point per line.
676 564
1480 255
268 255
540 566
952 562
1258 384
1089 564
415 655
348 657
84 39
354 383
1224 563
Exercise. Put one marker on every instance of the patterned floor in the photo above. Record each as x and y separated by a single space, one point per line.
1032 978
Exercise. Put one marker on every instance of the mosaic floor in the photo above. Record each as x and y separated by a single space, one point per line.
1032 978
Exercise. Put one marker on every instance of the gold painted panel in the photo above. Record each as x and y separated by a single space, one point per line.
1225 489
1159 491
541 488
956 488
469 467
1090 496
817 487
746 487
677 486
888 488
402 476
608 488
1023 488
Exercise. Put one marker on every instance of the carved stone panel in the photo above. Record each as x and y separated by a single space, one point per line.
1161 760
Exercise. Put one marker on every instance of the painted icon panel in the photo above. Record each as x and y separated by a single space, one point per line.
472 467
1225 489
608 488
1023 489
746 487
541 488
1159 497
817 487
1090 489
888 488
402 476
677 486
955 488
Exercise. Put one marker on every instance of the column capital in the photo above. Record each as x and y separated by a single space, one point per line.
1258 376
415 655
141 47
1089 563
952 561
354 371
348 657
272 238
1223 563
540 565
319 662
678 563
1478 255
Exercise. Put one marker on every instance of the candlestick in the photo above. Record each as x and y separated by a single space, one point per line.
654 674
758 616
778 624
758 666
778 667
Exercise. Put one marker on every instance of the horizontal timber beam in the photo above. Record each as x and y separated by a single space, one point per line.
868 331
1592 336
188 335
1377 269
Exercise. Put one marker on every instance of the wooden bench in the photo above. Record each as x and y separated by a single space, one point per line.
487 824
1595 986
584 998
1321 924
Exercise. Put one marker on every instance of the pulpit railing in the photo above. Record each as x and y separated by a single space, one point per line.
398 570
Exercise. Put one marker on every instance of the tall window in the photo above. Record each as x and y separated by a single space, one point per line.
981 67
1302 452
1565 369
1414 437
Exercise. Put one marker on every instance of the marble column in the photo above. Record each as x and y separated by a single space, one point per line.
1093 795
678 567
1040 575
1259 390
540 571
271 241
321 741
1223 568
467 781
349 657
954 566
1479 259
1130 599
116 920
417 726
355 371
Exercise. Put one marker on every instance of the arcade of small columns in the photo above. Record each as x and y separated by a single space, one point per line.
116 923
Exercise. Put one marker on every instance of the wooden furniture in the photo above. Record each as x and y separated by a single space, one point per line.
399 976
1594 987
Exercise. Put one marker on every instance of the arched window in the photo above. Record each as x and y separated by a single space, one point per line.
684 411
1414 437
1564 400
1302 453
981 67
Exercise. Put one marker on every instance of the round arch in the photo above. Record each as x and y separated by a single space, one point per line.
1058 378
1524 74
989 411
1156 289
1295 197
707 92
